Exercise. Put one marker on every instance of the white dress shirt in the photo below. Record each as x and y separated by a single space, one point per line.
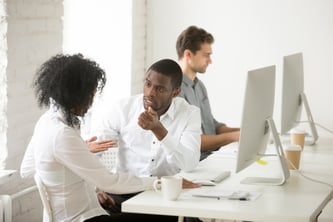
140 152
70 171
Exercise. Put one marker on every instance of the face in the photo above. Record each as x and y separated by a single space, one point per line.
158 92
82 111
201 59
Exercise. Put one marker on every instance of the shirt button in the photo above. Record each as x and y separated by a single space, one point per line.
154 142
152 160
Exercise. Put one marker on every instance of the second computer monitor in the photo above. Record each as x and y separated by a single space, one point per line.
293 96
257 124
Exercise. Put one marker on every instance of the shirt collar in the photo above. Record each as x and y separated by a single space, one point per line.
189 81
171 111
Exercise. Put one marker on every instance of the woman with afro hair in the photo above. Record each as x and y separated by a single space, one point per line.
66 85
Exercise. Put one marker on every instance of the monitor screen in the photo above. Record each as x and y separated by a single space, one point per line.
293 96
257 124
292 87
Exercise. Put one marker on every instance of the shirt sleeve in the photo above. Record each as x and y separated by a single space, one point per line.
27 168
71 151
185 153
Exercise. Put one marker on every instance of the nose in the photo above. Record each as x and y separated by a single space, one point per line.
152 91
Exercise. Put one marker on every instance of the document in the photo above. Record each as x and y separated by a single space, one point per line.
240 195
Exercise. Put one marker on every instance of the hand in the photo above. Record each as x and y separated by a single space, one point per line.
148 119
105 200
189 184
96 147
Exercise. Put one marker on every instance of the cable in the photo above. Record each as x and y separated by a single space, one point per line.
317 124
307 177
328 130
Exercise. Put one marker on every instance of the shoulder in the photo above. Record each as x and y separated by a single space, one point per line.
182 105
201 84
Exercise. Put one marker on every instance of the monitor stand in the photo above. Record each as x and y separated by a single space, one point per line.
313 128
281 158
310 139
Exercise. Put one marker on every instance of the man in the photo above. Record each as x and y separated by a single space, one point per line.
194 49
158 133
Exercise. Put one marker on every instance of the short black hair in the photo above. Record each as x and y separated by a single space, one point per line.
71 81
192 38
171 68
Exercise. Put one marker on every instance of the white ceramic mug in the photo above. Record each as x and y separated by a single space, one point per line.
169 186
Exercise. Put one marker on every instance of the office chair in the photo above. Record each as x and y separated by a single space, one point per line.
47 210
109 159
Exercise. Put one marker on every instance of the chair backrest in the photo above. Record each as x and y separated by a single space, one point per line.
5 208
47 210
109 158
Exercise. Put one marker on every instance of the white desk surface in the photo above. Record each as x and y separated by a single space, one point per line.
298 200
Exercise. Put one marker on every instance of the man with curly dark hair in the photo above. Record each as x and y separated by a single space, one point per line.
67 84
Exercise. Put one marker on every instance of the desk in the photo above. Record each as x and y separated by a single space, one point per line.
296 201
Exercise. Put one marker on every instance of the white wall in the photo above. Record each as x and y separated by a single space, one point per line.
34 33
251 34
102 30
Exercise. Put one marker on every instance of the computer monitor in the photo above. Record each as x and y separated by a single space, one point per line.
293 97
257 124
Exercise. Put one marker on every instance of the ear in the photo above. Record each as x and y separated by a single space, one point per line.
187 53
176 92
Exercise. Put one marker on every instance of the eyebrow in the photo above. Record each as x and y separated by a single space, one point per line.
160 86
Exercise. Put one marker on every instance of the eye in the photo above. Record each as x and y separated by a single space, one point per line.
147 84
161 89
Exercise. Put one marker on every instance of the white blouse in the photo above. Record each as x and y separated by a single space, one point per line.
70 171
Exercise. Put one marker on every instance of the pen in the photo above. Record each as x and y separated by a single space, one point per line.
238 198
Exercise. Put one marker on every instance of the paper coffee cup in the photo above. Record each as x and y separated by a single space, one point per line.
293 155
297 137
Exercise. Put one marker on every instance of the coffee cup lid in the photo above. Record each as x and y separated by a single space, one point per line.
297 131
293 147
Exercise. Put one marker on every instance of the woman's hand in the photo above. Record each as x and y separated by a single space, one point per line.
96 147
189 184
105 200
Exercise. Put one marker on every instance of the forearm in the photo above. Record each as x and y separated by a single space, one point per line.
159 131
226 129
212 142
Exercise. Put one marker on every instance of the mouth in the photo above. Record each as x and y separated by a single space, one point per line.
147 102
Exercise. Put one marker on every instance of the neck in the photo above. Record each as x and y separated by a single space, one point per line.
187 71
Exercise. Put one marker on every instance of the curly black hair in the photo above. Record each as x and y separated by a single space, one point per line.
71 81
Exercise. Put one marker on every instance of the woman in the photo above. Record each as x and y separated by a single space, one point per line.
67 84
